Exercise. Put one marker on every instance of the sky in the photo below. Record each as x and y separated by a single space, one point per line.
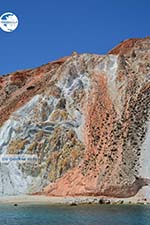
50 29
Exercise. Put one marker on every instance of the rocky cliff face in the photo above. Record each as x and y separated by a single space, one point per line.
87 117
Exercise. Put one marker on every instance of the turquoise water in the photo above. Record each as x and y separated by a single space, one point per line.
75 215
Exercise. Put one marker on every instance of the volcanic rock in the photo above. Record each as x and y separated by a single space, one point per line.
86 117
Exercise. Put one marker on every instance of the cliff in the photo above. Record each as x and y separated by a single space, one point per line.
86 117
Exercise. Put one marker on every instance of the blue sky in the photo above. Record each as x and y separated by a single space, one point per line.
50 29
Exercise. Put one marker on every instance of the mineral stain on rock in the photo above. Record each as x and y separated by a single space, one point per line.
87 117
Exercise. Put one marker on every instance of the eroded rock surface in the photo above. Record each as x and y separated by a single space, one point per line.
87 117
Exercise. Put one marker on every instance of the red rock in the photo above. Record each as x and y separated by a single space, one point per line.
90 124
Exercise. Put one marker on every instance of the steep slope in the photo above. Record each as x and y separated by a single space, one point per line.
87 119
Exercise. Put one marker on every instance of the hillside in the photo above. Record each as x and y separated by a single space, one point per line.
87 117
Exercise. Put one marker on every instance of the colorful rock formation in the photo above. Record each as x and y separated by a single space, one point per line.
87 119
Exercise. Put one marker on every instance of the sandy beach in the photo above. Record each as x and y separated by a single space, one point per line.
46 200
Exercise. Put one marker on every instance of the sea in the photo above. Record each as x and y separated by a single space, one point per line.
75 215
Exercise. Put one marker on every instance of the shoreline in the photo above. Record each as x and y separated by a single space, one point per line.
68 200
